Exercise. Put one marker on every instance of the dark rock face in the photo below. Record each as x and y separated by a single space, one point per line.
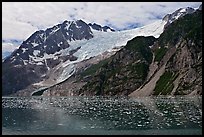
56 38
77 30
100 28
15 78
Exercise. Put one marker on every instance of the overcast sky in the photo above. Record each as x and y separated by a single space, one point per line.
21 19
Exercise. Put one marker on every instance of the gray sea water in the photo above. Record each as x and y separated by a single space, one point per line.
102 115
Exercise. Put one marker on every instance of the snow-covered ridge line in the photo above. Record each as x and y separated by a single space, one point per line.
106 41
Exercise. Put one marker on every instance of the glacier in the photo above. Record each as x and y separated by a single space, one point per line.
107 41
100 43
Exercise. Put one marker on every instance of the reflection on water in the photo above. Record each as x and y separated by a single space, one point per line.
102 115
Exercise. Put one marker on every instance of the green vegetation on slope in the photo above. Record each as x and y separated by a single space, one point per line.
164 85
188 26
123 72
187 29
92 70
159 53
141 45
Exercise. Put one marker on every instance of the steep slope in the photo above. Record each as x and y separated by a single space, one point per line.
169 18
172 66
178 52
186 62
121 73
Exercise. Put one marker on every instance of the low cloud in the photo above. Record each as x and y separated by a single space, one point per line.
8 48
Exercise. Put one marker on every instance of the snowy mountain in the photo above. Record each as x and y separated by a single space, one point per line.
51 56
169 18
51 40
168 65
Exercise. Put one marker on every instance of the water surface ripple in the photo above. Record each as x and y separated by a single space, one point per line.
102 115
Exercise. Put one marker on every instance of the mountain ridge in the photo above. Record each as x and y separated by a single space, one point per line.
54 55
175 66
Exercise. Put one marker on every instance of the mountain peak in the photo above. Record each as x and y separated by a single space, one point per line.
169 18
100 28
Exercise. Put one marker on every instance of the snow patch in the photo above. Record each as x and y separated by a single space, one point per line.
17 66
78 27
34 44
108 30
68 71
46 65
68 25
43 75
24 50
59 44
25 62
39 63
178 15
56 57
36 52
67 33
183 10
38 84
47 56
41 35
54 30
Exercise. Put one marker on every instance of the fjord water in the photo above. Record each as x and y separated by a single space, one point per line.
102 115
